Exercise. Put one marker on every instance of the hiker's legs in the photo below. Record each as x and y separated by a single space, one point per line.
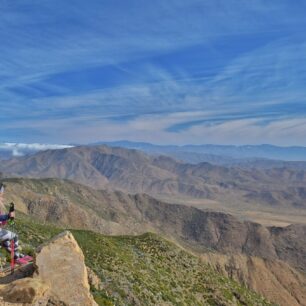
6 237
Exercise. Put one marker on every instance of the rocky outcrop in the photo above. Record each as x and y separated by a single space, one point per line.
60 277
23 291
274 279
94 280
60 264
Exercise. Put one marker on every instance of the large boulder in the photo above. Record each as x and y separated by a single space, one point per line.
25 291
60 264
60 277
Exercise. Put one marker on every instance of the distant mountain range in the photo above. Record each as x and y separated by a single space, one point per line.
247 155
133 171
219 154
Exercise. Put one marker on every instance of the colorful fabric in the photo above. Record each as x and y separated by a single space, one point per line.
5 239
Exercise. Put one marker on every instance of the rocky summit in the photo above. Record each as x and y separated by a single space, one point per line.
121 270
60 277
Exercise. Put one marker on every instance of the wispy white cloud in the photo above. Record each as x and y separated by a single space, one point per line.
42 38
155 128
158 85
20 149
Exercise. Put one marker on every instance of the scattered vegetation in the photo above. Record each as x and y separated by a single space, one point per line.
145 270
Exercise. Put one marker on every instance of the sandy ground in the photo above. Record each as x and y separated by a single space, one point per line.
268 216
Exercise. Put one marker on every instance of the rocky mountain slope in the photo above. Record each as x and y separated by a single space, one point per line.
134 268
269 260
274 279
148 270
123 270
135 172
70 204
272 256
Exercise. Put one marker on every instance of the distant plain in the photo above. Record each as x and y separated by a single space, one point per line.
267 216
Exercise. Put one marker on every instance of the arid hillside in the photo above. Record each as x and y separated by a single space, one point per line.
132 171
121 270
69 204
270 260
274 279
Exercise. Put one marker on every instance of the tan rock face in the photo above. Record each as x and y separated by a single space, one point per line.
60 264
94 280
23 291
60 278
26 291
274 279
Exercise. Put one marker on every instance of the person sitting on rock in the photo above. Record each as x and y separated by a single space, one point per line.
7 236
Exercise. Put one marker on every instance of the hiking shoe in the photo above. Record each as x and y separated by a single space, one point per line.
24 260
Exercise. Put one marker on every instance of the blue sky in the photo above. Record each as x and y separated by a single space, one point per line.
169 72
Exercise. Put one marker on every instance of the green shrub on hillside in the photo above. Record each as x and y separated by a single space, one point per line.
146 270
